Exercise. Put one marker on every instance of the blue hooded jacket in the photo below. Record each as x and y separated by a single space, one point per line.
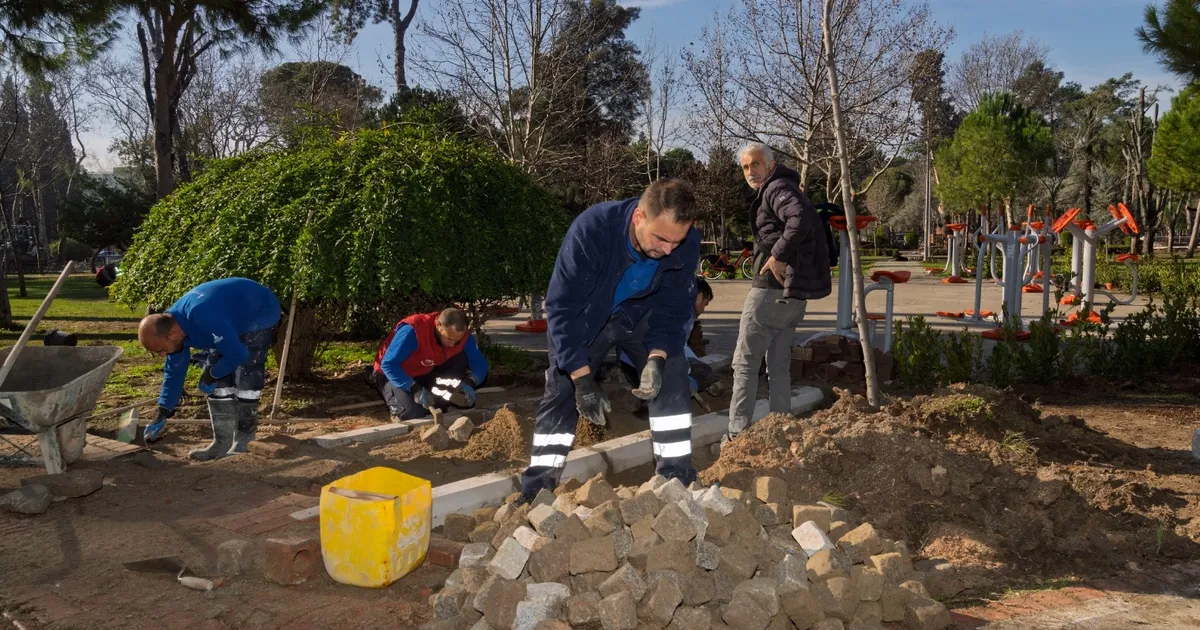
593 257
213 315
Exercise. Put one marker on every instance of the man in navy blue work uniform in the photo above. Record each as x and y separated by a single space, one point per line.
624 278
233 321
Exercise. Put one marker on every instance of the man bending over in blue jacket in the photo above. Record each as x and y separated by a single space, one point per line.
624 279
234 321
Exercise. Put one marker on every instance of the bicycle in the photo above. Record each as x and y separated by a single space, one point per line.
713 267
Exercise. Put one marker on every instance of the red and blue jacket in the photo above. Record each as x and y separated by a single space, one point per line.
583 288
413 349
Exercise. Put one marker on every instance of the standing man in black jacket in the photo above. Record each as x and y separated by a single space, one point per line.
792 260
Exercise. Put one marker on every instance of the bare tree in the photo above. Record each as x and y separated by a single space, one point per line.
660 118
221 115
760 75
860 298
993 64
497 58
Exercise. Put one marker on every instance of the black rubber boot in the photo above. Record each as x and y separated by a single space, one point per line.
223 412
247 426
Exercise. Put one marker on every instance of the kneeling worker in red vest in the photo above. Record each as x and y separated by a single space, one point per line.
429 360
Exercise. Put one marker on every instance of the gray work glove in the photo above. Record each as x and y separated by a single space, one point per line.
652 377
591 400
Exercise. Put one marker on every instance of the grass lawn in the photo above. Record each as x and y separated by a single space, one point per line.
82 307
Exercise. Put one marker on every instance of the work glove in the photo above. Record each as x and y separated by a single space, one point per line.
422 396
467 389
208 384
155 430
652 377
591 400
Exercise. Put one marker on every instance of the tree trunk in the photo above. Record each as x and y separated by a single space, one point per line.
1191 248
165 79
399 29
6 318
306 341
1171 237
860 300
1087 183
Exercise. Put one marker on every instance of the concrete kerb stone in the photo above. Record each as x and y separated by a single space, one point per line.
377 434
609 457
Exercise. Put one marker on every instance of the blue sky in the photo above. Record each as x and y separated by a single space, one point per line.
1089 40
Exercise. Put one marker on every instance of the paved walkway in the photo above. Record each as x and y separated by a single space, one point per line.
921 295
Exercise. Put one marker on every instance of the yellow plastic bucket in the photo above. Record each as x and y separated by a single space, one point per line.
375 526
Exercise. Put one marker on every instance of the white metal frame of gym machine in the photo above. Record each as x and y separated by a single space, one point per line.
847 322
1086 235
1015 246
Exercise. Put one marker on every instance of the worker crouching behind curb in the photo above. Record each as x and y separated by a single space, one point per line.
232 323
429 360
623 278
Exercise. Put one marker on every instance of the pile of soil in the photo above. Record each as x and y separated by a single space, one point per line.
975 476
501 438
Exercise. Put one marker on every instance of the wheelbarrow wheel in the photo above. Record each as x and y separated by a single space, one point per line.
72 437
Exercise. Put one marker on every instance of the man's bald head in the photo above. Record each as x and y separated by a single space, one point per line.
452 326
160 334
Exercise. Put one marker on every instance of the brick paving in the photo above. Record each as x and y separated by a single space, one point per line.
258 520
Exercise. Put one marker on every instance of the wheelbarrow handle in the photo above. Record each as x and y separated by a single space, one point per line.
11 360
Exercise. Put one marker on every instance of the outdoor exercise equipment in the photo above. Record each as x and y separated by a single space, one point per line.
1081 288
1014 247
847 322
956 250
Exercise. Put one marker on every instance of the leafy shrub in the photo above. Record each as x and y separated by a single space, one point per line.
962 352
910 239
365 226
917 352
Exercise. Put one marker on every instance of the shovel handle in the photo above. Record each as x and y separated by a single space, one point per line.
11 360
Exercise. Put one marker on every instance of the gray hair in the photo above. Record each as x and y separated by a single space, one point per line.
757 147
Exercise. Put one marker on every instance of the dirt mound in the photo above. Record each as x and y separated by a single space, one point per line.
501 438
970 474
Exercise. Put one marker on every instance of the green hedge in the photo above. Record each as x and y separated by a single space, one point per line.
406 214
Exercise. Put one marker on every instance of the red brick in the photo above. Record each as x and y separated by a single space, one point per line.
291 560
1083 593
258 529
855 372
443 553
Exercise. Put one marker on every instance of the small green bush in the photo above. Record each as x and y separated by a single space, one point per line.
910 239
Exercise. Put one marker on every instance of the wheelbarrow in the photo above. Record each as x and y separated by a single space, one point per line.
50 392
